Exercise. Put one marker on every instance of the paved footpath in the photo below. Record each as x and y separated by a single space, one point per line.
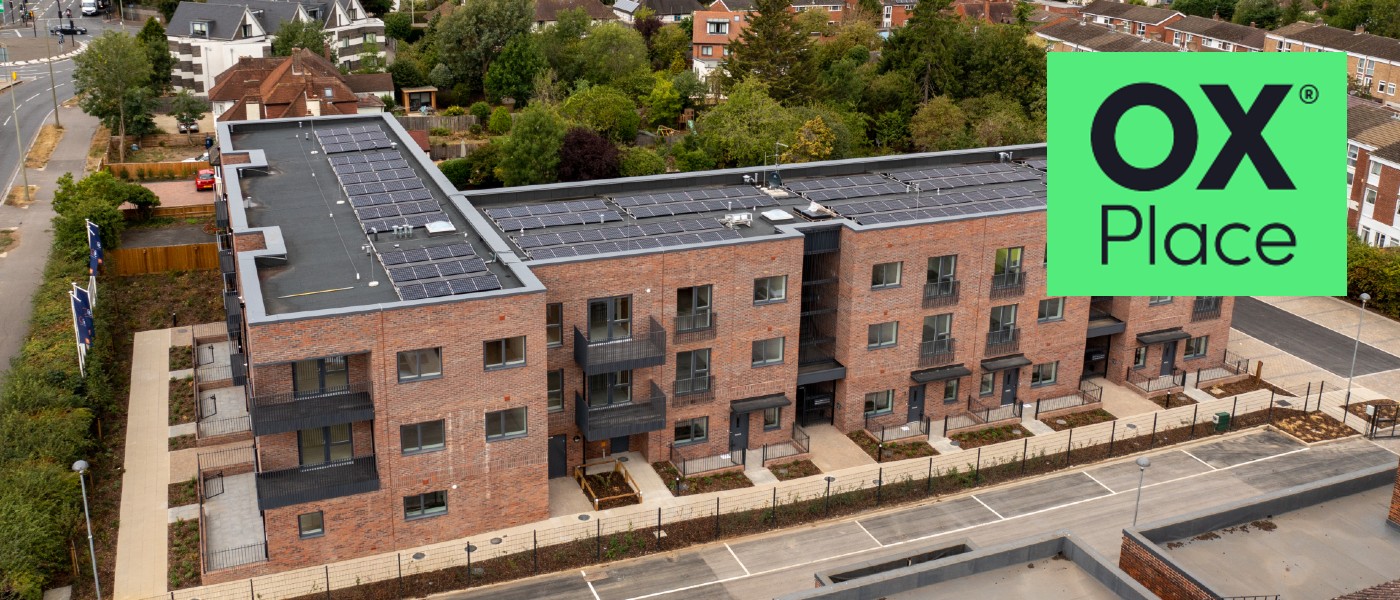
141 569
1380 336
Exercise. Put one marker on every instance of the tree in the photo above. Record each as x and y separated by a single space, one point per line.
614 54
1292 12
1023 12
813 142
663 103
646 23
301 34
635 162
772 49
586 155
152 38
997 120
604 109
1205 8
370 60
114 70
742 131
500 122
531 153
1259 13
378 8
560 43
95 198
927 50
670 47
480 110
939 125
689 87
814 20
37 514
512 75
407 72
398 26
477 32
186 108
891 130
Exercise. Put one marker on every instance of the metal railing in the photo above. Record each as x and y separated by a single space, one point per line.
1153 384
689 462
1003 341
1008 284
292 411
1232 364
213 485
207 461
645 347
1206 308
208 429
940 293
643 414
296 485
937 352
694 390
903 431
1088 393
799 444
980 416
702 320
235 557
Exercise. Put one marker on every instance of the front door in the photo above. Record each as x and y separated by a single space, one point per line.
1009 381
558 456
1168 357
618 445
738 431
916 403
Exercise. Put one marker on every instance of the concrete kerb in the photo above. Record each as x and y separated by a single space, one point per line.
39 61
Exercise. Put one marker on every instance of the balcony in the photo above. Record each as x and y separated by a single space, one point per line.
280 413
641 415
695 324
1003 341
1205 308
1102 322
298 485
645 348
695 390
941 293
1009 284
937 352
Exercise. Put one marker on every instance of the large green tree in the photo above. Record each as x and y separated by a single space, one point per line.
114 70
772 49
1381 17
945 56
531 153
604 109
152 38
614 54
94 198
939 125
512 74
670 49
1259 13
377 7
477 32
1205 8
743 130
301 34
560 43
186 108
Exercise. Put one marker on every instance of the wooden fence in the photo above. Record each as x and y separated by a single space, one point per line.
158 170
160 259
197 211
459 150
422 123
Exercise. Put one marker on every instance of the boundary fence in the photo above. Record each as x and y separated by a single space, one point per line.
1231 365
1156 384
1089 393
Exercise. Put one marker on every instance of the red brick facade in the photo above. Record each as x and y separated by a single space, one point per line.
1157 575
1394 517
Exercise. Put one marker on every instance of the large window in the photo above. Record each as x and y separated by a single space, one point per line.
323 445
1139 357
1007 265
503 424
879 403
422 437
311 525
885 275
1052 309
989 382
950 391
1003 318
1045 374
610 388
768 352
320 375
938 334
942 274
692 431
1370 196
693 372
770 289
1353 151
772 418
1196 347
507 352
693 306
554 391
554 325
424 505
882 335
609 319
415 365
717 27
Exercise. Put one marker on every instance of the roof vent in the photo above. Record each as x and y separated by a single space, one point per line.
734 220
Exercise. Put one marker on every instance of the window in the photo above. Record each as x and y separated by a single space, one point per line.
311 525
1375 168
317 376
371 39
507 352
605 389
692 431
553 325
717 27
1366 234
770 289
883 335
938 334
1352 152
1156 300
1139 357
1142 29
943 270
1285 46
554 393
988 384
885 275
1196 346
415 365
772 418
1370 196
1390 89
609 319
693 372
707 51
422 437
879 403
693 306
1052 309
767 352
247 30
1380 87
1226 46
1007 268
726 50
424 505
1003 318
199 29
324 445
508 423
950 391
1176 39
1044 374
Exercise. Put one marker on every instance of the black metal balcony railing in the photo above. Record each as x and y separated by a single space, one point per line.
1008 284
693 391
292 411
937 352
698 321
1205 309
645 348
298 485
1003 341
641 415
940 293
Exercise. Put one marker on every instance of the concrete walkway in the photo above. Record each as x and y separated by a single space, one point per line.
833 451
1123 402
1339 316
141 570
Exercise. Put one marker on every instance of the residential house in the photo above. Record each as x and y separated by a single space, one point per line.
547 11
1000 11
712 33
1199 34
672 11
1078 36
1373 172
300 85
1142 21
626 10
1373 61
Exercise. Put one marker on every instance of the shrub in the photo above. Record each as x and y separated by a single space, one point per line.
640 161
454 111
500 121
440 131
456 170
480 110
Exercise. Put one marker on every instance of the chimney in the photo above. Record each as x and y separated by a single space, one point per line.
326 50
313 106
1252 25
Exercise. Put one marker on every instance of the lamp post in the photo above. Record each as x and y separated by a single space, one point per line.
53 90
1142 463
1360 315
81 467
19 143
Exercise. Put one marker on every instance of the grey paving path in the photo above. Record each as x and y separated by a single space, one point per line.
1308 340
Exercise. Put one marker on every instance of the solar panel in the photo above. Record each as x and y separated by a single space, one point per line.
835 182
602 234
636 243
448 268
734 192
521 223
417 255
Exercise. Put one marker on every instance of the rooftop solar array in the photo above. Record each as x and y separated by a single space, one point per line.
965 176
417 255
738 191
934 206
449 287
352 139
583 236
954 210
535 210
688 202
558 220
384 191
805 185
434 271
645 243
1040 165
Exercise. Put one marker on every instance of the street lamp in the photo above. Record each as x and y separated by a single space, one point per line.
53 89
1142 463
81 467
19 144
1357 346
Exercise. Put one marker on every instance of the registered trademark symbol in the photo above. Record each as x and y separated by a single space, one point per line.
1308 94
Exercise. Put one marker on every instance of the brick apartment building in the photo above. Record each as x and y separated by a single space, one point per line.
1143 21
1069 35
421 361
1373 61
1373 172
1199 34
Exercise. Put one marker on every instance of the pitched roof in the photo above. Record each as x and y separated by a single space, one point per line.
243 77
673 7
994 12
1317 34
548 10
1362 115
1130 12
366 83
1381 135
222 19
1390 152
1243 35
283 90
1044 16
1100 39
732 5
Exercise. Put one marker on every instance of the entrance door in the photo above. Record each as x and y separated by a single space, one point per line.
1009 379
1168 357
916 403
618 445
738 431
558 456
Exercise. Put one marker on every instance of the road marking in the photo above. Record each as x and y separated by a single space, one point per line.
31 97
736 558
590 585
872 536
1110 490
984 505
1208 465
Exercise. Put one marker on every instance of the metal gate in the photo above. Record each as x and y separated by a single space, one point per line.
1382 422
213 485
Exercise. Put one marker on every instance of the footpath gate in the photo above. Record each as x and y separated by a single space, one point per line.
1381 423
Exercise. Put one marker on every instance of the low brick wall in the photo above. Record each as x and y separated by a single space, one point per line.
980 427
1394 519
1050 414
1140 559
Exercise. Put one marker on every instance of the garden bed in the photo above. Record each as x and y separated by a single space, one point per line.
181 442
1172 400
1359 408
1312 427
181 358
982 437
181 401
43 147
183 554
893 450
795 470
700 484
1079 419
1243 386
183 493
611 490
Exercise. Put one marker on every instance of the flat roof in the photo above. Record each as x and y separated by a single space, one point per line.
1055 578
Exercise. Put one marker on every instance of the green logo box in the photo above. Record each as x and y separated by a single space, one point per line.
1255 206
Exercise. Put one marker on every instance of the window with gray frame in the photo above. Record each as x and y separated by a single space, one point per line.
505 424
1051 309
693 308
938 334
1155 300
1003 318
609 319
417 365
324 445
1139 357
320 375
767 290
417 438
693 372
1006 270
882 335
772 418
989 382
505 352
554 325
1045 374
419 506
312 524
554 391
950 391
879 403
1196 347
692 431
768 352
605 389
942 268
885 275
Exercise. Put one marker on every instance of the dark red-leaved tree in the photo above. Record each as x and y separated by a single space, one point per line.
586 155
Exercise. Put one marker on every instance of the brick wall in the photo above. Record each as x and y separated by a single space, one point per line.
1157 575
1141 317
1394 517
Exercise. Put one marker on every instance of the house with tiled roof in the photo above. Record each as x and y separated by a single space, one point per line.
1077 36
1373 61
1373 172
1142 21
1199 34
303 84
712 31
547 11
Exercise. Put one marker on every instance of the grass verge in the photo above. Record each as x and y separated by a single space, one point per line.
183 553
43 147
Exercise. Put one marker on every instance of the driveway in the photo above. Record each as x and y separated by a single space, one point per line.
178 193
1308 340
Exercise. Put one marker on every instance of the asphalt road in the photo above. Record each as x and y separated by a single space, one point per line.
1095 503
1308 340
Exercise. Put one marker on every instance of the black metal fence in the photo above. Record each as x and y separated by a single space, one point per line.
690 461
236 557
1089 393
940 293
1149 383
937 352
980 416
894 433
801 443
1003 341
1008 284
1230 365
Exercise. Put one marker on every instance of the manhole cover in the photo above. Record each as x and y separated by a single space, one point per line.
495 540
583 517
1061 422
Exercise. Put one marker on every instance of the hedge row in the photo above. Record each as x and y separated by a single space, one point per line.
1375 271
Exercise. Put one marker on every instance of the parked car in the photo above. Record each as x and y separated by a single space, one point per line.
67 30
204 180
189 127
